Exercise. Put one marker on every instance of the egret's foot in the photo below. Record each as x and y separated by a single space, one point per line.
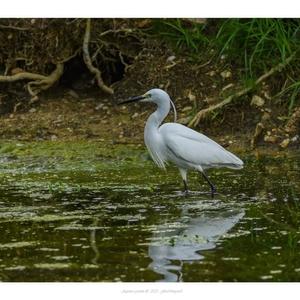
213 191
186 193
212 187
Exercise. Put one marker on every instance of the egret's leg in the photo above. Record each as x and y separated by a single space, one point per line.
183 174
186 191
212 187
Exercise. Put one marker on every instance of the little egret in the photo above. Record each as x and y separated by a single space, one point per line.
185 147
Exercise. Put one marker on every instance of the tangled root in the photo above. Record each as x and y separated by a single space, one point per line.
38 82
88 61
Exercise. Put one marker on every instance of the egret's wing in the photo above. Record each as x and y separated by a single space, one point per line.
196 148
180 130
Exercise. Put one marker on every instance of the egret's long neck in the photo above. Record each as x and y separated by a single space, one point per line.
158 116
151 134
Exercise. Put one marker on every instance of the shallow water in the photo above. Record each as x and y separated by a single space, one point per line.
81 212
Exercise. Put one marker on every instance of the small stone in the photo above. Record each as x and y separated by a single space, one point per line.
284 143
135 115
226 74
257 101
211 73
268 110
171 58
73 94
270 139
32 110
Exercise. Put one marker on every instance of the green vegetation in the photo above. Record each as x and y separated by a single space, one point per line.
183 36
252 45
255 44
293 90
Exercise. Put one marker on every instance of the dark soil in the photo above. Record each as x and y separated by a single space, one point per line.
80 111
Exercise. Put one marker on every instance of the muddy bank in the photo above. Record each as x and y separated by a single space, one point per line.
80 111
65 118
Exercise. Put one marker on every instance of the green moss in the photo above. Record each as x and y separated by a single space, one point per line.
18 245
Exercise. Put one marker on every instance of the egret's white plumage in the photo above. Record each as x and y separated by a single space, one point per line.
186 148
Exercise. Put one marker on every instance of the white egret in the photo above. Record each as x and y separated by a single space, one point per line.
185 147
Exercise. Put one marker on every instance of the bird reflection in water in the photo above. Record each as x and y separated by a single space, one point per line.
183 241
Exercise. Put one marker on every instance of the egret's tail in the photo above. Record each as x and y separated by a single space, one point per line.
234 162
234 166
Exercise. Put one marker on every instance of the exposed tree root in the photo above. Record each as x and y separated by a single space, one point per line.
45 83
205 112
41 82
21 76
88 61
13 27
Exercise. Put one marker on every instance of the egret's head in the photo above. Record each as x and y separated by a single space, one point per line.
157 96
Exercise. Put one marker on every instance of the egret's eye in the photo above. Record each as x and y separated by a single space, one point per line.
149 95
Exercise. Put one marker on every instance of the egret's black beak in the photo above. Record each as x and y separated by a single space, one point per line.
133 99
